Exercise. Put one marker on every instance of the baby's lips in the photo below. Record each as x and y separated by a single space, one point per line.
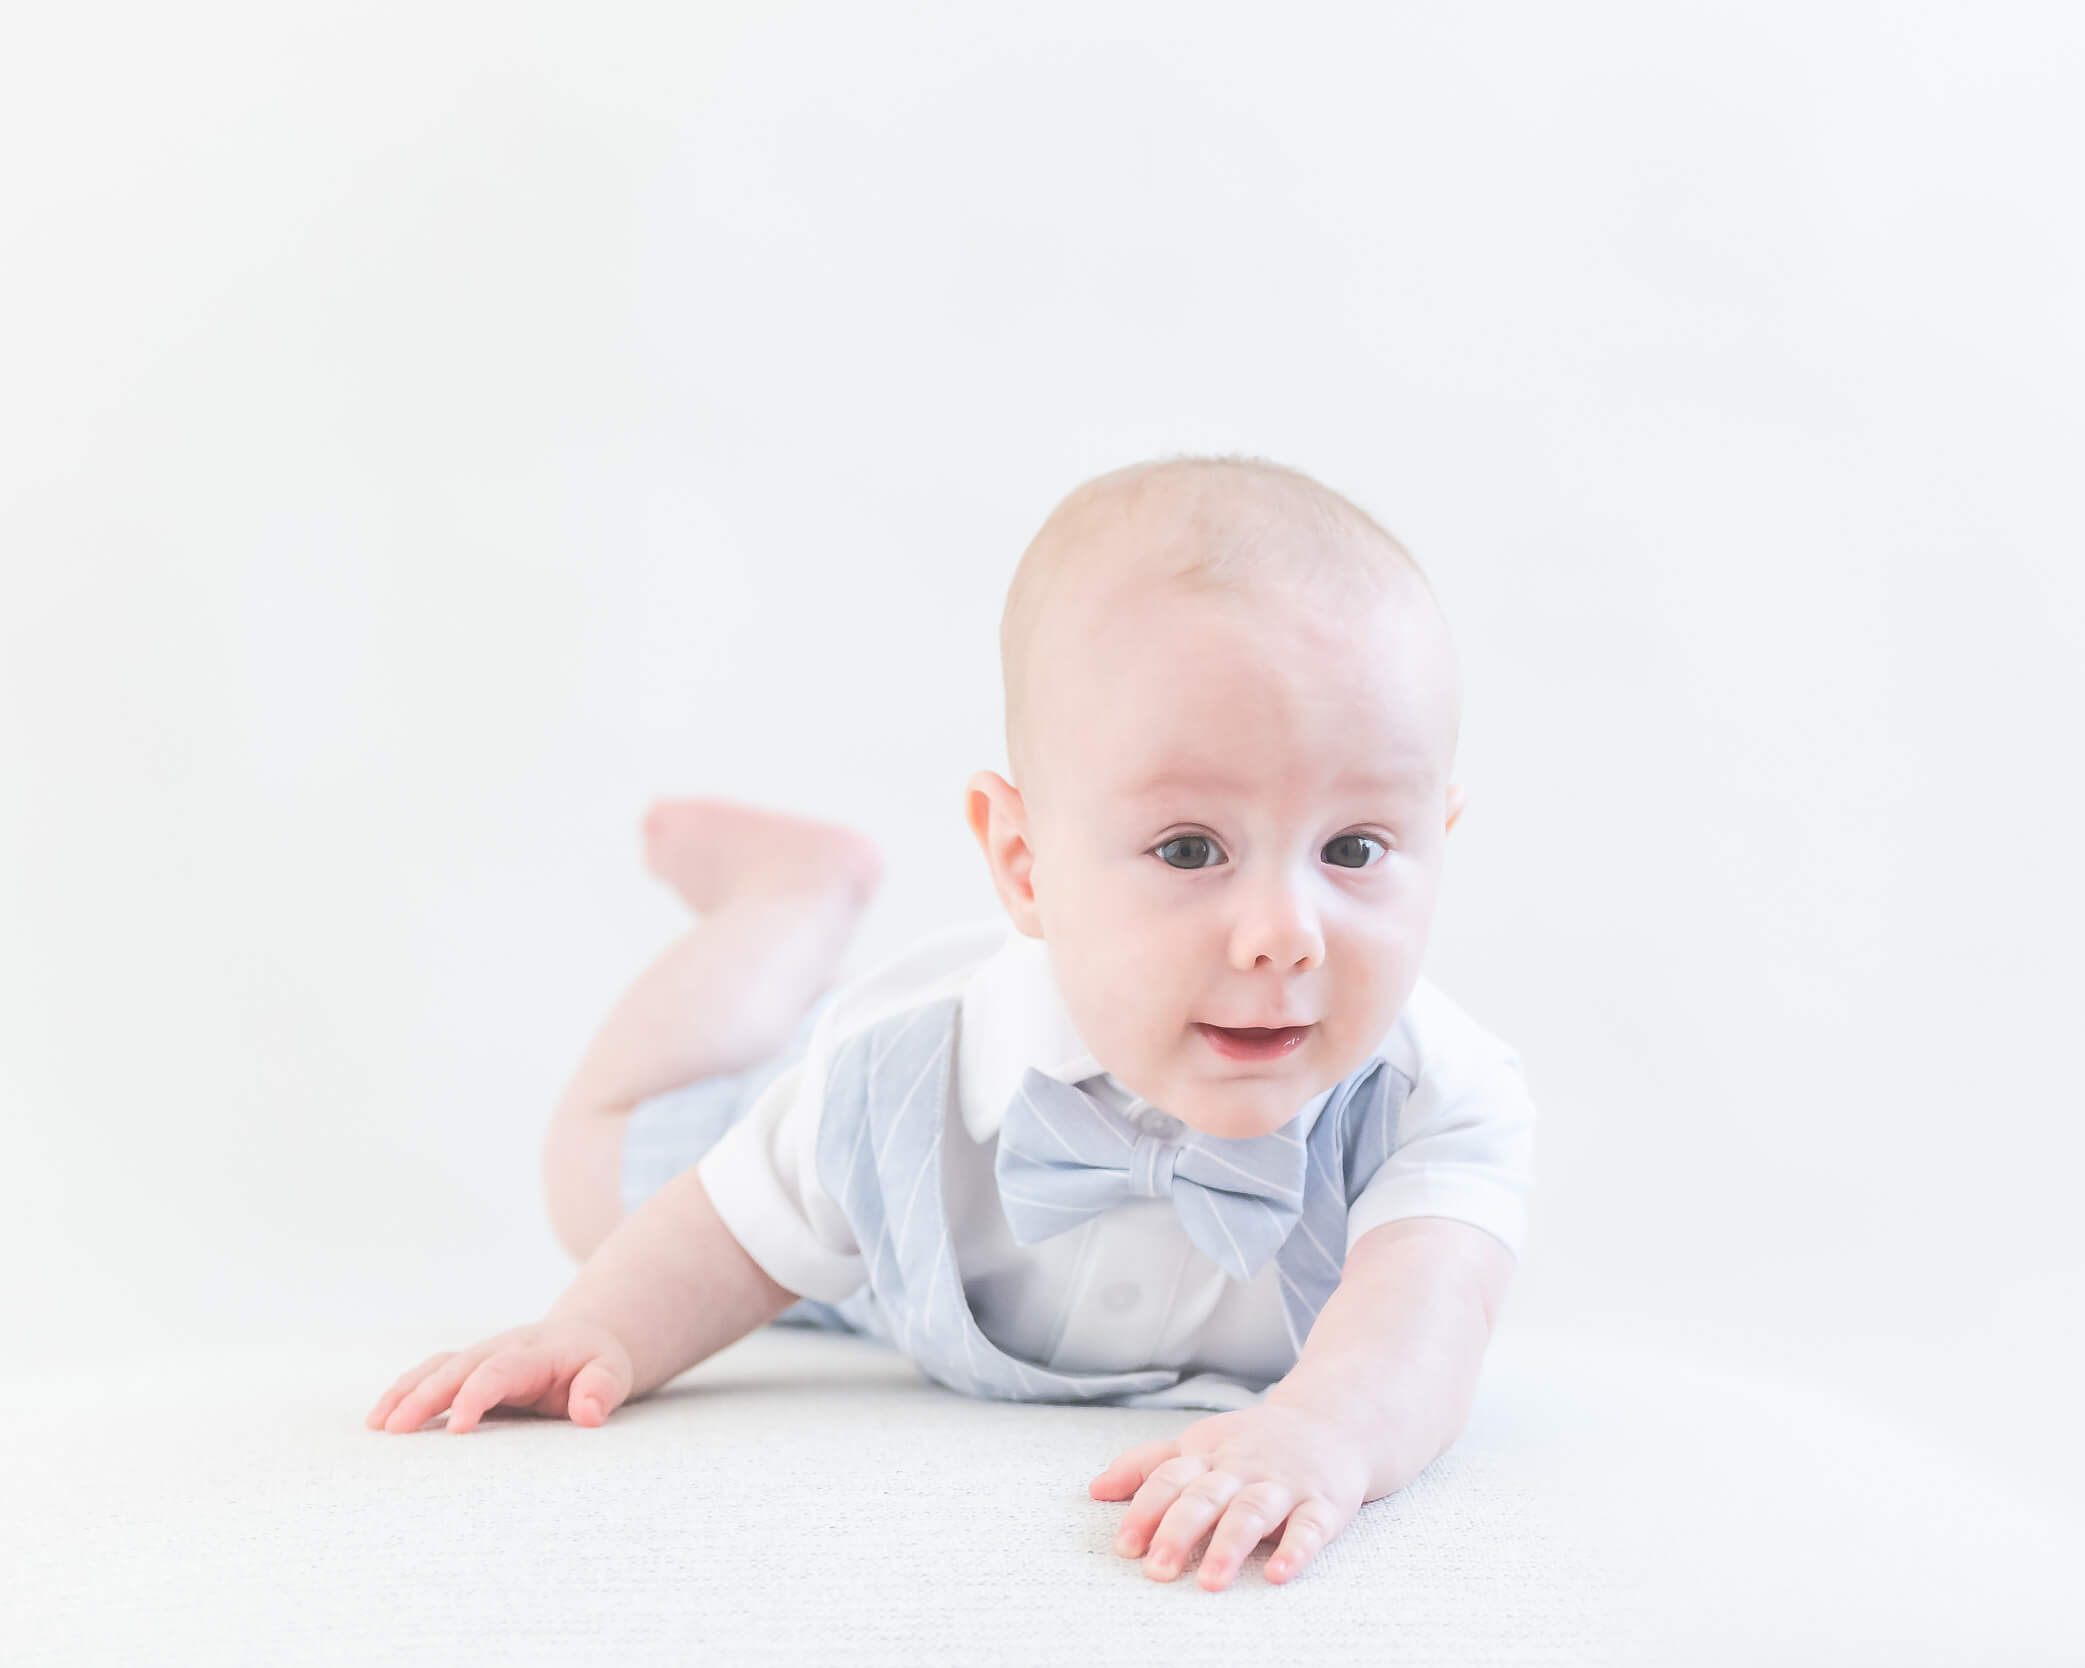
1253 1042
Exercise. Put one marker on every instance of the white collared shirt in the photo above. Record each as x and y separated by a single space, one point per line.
1125 1289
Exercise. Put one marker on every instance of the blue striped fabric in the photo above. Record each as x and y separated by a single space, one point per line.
1063 1156
890 1098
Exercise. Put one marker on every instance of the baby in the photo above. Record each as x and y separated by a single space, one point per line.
1186 1130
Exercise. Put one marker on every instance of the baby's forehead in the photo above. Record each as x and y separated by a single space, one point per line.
1209 576
1252 689
1262 783
1247 620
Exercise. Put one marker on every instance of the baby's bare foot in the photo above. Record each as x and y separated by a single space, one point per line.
711 850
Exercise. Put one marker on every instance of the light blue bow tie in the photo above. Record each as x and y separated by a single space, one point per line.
1064 1157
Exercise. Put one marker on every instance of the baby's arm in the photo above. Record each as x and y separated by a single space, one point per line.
667 1289
1396 1351
1383 1385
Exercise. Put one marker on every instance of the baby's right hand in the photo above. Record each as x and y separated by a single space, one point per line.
566 1368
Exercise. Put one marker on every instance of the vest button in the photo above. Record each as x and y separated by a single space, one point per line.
1121 1297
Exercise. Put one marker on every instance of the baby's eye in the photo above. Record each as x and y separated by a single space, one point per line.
1344 850
1199 846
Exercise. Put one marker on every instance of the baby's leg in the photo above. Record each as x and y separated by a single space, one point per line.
779 898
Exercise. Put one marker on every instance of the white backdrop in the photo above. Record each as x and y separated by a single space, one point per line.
427 433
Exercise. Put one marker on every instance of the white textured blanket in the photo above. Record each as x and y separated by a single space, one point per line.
806 1498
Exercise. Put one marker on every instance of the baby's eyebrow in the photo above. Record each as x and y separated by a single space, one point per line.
1379 779
1166 780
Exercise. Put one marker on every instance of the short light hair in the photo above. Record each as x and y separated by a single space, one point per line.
1226 516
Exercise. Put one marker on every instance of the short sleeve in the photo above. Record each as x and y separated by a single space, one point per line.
1465 1137
762 1174
763 1180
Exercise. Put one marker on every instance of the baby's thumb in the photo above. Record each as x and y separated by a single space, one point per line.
597 1391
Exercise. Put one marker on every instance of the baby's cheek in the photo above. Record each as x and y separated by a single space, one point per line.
1374 996
1129 1003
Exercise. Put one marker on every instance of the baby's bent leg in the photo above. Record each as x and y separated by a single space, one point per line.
713 850
721 999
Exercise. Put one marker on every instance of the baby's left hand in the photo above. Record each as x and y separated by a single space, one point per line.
1253 1468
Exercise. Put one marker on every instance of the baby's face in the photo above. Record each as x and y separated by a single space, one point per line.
1237 816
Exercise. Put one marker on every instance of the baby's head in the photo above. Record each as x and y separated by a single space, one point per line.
1231 714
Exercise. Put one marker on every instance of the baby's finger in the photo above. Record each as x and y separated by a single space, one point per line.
1311 1525
399 1386
432 1393
510 1376
1255 1513
1151 1502
597 1390
1200 1504
1126 1472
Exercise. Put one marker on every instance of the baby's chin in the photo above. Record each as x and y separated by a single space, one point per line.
1239 1110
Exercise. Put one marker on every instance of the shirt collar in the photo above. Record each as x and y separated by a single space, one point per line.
1014 1018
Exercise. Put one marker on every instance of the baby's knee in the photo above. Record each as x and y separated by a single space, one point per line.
583 1176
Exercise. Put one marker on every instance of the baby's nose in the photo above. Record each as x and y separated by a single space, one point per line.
1281 933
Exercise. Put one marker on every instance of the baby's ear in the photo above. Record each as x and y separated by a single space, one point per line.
977 806
993 807
1455 798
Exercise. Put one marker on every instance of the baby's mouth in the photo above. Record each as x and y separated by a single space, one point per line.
1250 1042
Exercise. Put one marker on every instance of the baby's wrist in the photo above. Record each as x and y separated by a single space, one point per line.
1318 1399
1396 1440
